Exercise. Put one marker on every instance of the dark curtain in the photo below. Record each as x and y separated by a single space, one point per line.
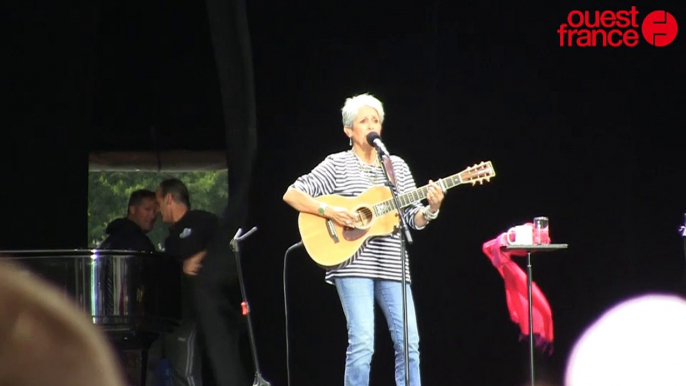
44 149
218 312
233 57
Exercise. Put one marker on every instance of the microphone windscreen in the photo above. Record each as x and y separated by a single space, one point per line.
371 137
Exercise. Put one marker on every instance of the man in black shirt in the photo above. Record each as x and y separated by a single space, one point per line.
198 239
189 233
129 233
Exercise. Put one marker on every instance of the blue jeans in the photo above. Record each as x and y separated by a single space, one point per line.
357 298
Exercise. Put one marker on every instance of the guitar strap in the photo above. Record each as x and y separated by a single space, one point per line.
388 167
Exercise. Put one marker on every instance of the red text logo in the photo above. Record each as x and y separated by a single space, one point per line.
616 28
596 28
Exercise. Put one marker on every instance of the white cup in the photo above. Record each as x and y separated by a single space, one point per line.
523 235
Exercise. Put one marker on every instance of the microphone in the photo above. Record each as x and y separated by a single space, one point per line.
374 139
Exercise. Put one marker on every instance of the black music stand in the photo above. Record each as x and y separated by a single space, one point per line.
529 249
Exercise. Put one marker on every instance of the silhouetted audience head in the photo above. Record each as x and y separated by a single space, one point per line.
638 342
46 340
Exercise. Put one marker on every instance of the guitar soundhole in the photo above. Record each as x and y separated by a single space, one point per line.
360 229
365 216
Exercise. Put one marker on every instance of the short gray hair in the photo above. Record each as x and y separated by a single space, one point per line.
354 104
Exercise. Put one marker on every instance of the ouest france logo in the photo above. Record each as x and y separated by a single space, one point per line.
617 28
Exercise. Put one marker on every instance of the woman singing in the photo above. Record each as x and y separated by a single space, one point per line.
374 272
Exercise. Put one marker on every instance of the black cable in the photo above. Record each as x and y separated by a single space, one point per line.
682 230
285 306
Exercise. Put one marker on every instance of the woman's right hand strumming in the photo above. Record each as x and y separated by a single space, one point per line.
306 203
342 216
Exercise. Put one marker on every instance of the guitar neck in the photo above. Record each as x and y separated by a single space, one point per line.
417 195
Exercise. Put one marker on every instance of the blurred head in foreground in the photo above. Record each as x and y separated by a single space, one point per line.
639 342
46 340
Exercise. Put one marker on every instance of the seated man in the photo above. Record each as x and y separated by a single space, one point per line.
129 233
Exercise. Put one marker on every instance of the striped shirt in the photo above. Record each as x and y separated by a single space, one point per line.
346 175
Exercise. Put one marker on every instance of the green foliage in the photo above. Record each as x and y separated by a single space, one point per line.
108 194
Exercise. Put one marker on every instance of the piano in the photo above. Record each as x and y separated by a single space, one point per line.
133 297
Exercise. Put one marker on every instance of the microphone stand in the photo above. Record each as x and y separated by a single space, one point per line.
405 236
259 381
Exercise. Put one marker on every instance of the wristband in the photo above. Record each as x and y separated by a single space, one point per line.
428 215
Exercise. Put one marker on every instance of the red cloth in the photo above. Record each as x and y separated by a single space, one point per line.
516 294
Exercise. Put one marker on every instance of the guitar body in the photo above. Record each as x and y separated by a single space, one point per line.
330 244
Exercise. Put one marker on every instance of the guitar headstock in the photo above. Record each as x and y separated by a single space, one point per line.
478 173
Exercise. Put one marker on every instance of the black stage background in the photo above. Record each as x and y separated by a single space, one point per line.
591 138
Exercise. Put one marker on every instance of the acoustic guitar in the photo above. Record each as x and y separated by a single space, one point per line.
331 245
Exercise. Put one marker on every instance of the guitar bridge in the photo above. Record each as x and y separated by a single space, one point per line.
332 230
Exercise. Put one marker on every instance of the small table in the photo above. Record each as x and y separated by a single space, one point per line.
529 249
